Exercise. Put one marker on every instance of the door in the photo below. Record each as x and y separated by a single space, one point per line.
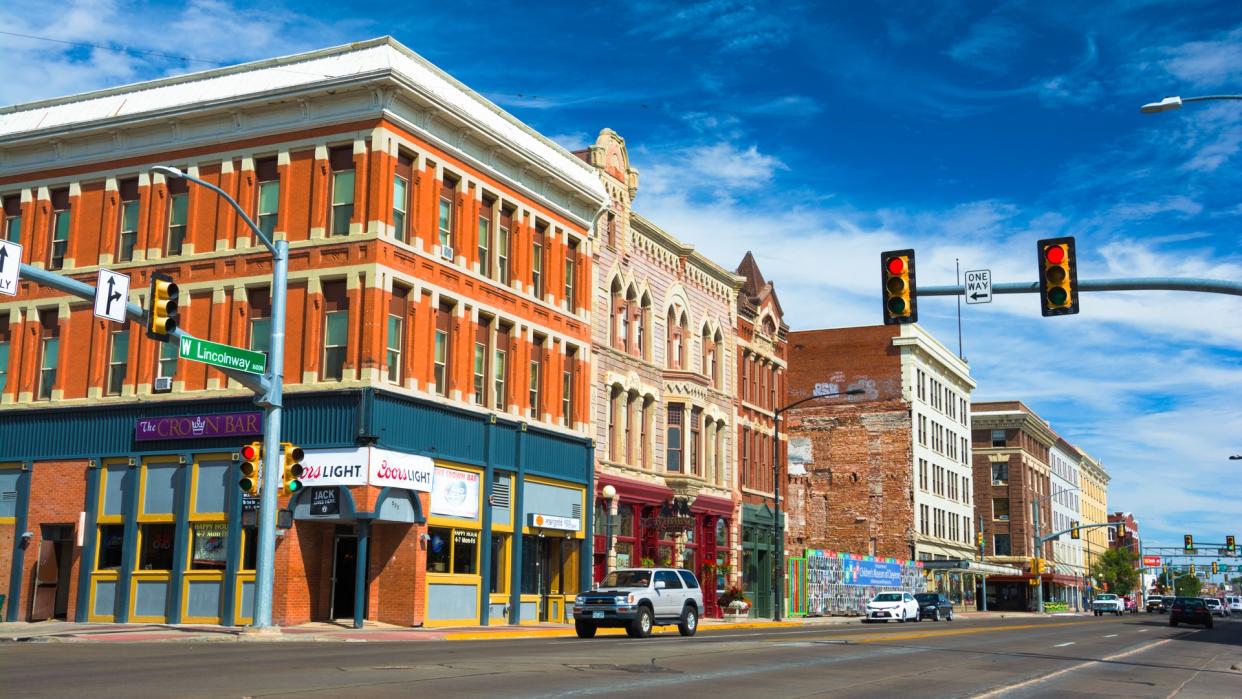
50 598
344 574
669 600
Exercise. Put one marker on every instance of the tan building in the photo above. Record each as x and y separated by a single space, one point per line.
1094 508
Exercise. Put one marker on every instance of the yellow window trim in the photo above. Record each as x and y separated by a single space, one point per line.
189 553
100 517
90 615
185 599
142 490
194 514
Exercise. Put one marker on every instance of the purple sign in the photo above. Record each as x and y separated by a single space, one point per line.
199 426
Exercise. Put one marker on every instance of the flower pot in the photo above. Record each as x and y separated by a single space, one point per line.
736 616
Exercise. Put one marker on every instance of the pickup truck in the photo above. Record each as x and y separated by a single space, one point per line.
637 599
1153 603
1108 603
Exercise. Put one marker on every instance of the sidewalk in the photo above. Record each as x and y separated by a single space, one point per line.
68 632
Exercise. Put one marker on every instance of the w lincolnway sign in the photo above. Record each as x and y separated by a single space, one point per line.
224 356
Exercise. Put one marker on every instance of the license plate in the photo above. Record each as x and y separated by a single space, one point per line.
597 615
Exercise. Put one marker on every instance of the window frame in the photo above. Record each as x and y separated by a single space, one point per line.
335 172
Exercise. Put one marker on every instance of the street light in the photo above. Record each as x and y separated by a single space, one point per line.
1168 104
779 572
271 401
610 494
1235 457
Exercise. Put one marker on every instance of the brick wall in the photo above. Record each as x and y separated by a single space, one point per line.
57 496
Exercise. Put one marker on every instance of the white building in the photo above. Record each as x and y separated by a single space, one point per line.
1067 552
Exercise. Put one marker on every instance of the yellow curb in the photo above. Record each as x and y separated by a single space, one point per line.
562 633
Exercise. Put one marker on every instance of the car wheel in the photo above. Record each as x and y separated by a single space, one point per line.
935 615
689 621
950 616
640 627
585 629
903 617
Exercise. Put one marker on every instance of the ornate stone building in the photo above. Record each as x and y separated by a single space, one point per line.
663 334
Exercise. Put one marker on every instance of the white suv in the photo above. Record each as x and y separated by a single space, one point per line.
637 599
1233 603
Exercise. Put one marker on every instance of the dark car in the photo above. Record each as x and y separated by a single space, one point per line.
1191 610
1166 603
934 606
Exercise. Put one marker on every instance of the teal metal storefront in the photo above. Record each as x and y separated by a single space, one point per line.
758 557
155 533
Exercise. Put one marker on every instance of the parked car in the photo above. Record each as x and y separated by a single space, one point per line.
1189 610
886 606
1108 603
1131 604
1153 603
1234 603
638 599
1215 607
934 606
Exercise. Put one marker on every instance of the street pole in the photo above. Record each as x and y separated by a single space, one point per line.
272 402
982 547
1038 554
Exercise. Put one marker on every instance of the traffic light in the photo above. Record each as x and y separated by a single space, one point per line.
1058 277
1192 568
162 314
979 540
1230 544
251 467
1215 568
1188 542
292 472
1121 530
1074 530
897 275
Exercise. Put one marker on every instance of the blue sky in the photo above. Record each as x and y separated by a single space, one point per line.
818 135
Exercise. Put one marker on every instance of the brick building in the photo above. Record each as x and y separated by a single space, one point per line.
439 315
663 342
886 473
1131 540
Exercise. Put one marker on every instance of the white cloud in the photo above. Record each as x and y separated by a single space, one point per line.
1206 63
719 170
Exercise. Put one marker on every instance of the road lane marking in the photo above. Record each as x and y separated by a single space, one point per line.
1144 630
1062 645
1044 678
1111 635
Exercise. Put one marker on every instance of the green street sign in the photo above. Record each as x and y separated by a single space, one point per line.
224 356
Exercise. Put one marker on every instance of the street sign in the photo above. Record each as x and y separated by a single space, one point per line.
1152 561
979 286
224 356
10 266
111 294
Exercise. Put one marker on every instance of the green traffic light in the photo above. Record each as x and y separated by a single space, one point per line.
293 486
1057 296
897 306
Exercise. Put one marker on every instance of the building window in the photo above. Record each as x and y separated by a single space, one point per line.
342 162
452 551
444 320
746 475
1000 473
49 352
567 385
336 330
502 246
267 172
676 419
13 218
998 438
401 196
485 237
536 375
500 368
178 215
1000 508
127 237
610 230
260 302
571 262
642 317
482 334
614 433
632 416
923 474
924 523
675 346
398 308
644 440
118 361
167 365
5 338
696 441
1000 545
539 240
448 190
61 216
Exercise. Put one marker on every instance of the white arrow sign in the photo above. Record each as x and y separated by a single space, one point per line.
111 295
979 286
10 266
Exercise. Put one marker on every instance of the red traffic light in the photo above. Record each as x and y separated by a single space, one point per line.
896 265
249 453
1055 254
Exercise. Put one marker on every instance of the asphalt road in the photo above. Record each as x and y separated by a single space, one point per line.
1134 656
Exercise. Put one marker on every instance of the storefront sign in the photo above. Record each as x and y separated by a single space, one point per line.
872 573
1152 561
198 426
569 524
455 493
674 517
325 501
335 466
209 541
393 469
250 503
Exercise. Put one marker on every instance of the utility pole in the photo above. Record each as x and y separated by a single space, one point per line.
1038 554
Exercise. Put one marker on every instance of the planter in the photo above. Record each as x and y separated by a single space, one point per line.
736 616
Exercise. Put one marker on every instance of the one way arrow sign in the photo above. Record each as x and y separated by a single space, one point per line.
979 286
10 267
111 295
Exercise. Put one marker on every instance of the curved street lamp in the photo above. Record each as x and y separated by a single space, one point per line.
1168 104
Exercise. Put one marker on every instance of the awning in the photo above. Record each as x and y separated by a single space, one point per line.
635 491
712 506
967 565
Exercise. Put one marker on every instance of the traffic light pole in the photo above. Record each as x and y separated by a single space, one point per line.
1211 286
1041 540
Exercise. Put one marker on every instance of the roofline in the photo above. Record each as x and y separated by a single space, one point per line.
732 279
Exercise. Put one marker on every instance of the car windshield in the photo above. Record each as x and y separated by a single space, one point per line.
1213 603
926 597
887 597
1189 602
627 578
1106 597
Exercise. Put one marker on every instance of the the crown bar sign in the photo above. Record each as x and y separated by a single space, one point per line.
152 429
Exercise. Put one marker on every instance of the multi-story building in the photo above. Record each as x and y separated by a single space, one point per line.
439 320
663 407
1131 540
1067 552
1094 504
887 473
762 344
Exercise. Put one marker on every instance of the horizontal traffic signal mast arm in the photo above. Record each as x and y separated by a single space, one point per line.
133 311
1210 286
1049 537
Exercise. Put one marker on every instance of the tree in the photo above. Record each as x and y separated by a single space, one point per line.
1189 586
1117 568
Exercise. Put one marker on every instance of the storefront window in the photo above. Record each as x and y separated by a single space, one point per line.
500 569
665 557
465 552
453 551
209 551
156 546
625 521
111 543
439 550
250 547
625 554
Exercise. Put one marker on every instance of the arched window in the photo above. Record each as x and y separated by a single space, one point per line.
642 329
633 320
620 318
708 361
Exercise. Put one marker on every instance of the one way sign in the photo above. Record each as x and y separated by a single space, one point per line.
111 295
10 266
979 286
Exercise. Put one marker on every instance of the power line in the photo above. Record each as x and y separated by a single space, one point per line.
118 49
